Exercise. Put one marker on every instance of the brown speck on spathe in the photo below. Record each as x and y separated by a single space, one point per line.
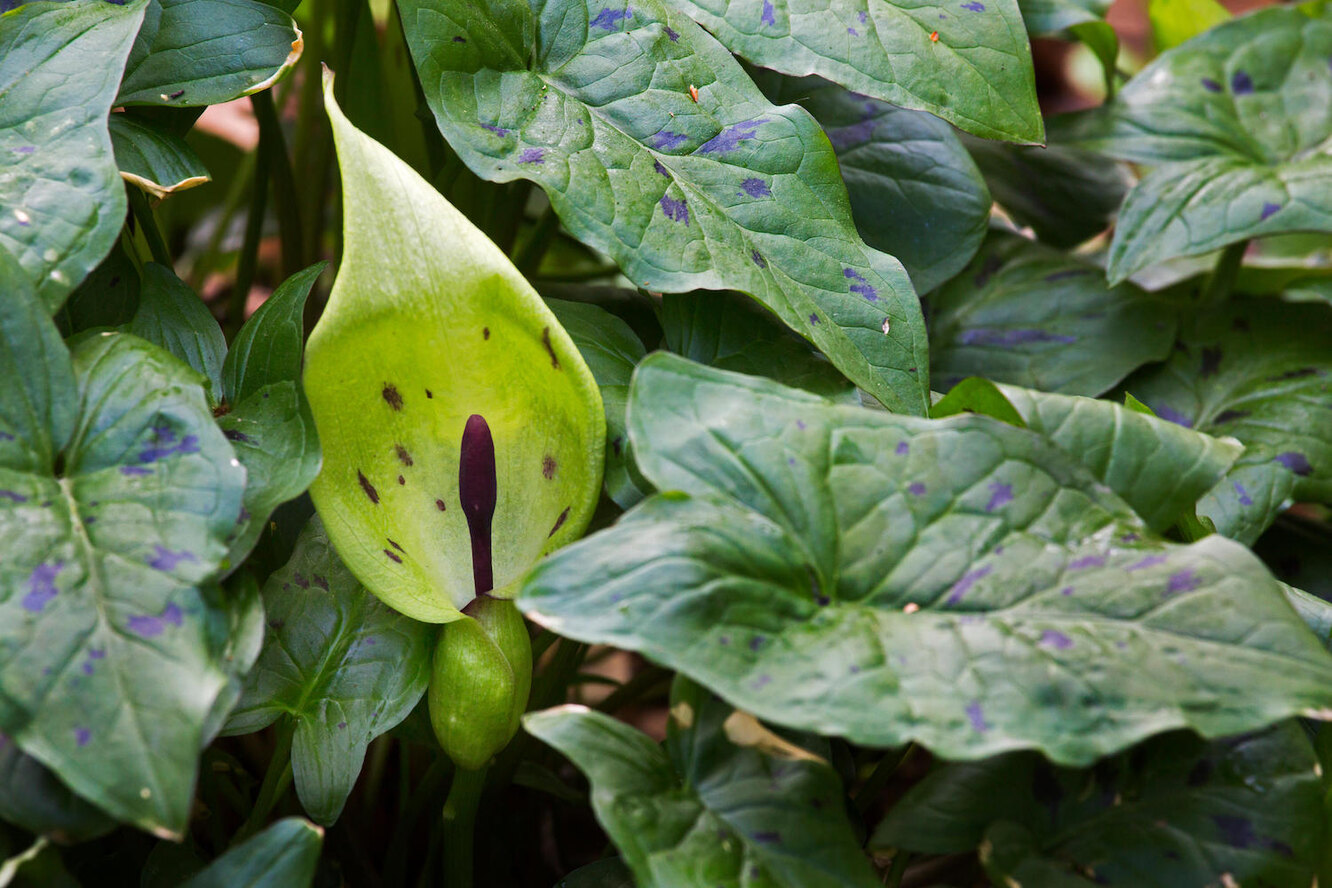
367 487
391 396
559 522
402 480
485 332
548 467
395 545
439 504
394 555
550 349
403 456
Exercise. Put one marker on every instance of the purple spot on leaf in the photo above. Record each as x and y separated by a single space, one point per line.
977 717
758 260
41 586
902 448
342 725
1182 581
1269 209
13 496
1067 590
608 18
164 559
1244 498
844 137
1149 561
974 6
1055 639
1211 85
963 586
756 642
135 471
675 210
672 34
1241 84
25 149
82 736
853 32
656 165
667 141
756 188
1086 562
1296 462
916 488
1168 413
1000 494
730 138
532 155
497 130
768 18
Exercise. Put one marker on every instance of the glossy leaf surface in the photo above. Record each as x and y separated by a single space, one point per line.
915 192
1258 370
33 798
429 324
153 158
339 662
202 52
285 855
1175 811
1025 314
118 494
591 101
1239 117
172 317
713 808
958 582
975 72
62 198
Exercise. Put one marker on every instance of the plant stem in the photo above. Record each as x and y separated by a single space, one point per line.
900 861
284 184
254 229
631 690
528 257
879 777
143 214
395 866
1221 282
276 780
459 826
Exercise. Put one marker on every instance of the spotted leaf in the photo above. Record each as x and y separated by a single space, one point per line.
61 199
344 666
463 434
591 101
1174 811
960 582
727 803
117 493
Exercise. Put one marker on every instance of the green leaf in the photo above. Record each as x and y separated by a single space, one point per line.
63 202
1156 466
1063 193
109 297
429 324
727 804
1178 21
976 395
1045 17
33 798
1258 370
285 855
1029 315
611 350
191 53
1175 811
915 191
154 159
724 331
593 105
118 494
960 582
977 74
608 873
172 316
1240 119
268 419
340 663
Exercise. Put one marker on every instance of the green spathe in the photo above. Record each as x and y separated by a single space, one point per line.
428 324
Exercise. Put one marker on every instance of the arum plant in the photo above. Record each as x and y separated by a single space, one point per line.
465 438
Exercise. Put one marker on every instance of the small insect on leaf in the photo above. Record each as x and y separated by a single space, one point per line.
934 36
693 93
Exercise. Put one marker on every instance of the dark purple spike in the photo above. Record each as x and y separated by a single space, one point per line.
478 491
